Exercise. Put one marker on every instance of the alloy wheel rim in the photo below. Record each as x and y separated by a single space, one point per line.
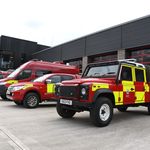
32 101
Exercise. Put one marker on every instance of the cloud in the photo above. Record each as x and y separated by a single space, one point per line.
52 22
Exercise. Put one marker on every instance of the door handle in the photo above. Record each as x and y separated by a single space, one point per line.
132 89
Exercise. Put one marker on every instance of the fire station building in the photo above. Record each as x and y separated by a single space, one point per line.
128 40
14 51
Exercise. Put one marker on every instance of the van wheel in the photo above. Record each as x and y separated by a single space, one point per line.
102 112
31 100
64 113
122 108
4 97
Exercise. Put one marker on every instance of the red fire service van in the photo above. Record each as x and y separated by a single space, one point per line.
30 94
31 70
104 86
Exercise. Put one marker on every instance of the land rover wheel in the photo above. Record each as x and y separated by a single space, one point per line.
102 112
64 113
122 108
148 108
31 100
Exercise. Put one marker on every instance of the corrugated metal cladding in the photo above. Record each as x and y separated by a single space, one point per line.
20 50
41 47
74 49
128 35
49 54
17 45
136 33
105 41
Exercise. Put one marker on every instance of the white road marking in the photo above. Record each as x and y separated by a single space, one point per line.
14 139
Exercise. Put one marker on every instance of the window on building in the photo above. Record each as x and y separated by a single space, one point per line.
139 73
141 55
75 62
103 57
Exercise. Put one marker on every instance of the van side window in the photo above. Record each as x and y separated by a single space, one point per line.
40 73
67 78
139 73
126 73
55 79
24 74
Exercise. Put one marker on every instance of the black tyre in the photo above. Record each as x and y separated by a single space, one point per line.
102 112
122 108
148 108
31 100
4 97
17 103
64 113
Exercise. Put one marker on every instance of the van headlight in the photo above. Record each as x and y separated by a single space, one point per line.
16 88
2 83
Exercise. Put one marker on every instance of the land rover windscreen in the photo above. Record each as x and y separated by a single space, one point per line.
101 70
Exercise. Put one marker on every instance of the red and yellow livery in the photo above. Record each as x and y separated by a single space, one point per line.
30 94
104 86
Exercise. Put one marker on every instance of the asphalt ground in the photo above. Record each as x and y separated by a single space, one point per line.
43 129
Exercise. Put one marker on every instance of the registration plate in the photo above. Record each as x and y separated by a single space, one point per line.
65 101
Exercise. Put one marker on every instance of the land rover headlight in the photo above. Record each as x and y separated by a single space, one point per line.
17 88
84 92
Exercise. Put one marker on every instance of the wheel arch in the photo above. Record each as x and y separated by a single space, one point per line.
33 91
105 93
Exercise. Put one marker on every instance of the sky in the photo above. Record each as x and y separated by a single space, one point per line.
53 22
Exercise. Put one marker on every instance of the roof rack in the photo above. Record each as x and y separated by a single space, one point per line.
132 60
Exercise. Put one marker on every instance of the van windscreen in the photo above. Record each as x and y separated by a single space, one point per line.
14 73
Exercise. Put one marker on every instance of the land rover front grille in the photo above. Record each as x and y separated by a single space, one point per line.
69 91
